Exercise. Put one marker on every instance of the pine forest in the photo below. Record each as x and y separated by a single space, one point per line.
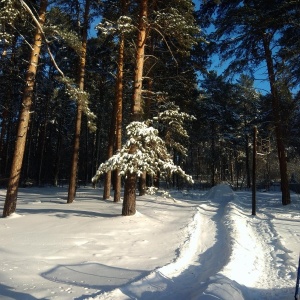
135 95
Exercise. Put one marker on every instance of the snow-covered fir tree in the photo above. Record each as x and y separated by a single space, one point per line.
151 155
170 123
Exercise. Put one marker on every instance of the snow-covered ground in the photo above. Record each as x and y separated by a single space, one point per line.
195 245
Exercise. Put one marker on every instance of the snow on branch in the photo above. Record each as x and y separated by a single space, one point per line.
150 155
9 13
81 97
123 25
170 122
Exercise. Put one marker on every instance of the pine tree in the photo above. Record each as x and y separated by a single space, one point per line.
12 190
81 78
248 31
129 202
151 155
248 99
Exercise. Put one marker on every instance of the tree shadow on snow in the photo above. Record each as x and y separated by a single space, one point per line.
93 276
160 287
8 293
66 213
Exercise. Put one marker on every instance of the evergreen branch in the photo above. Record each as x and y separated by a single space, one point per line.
22 36
158 31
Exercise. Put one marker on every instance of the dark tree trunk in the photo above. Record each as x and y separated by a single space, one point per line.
42 144
129 203
3 139
75 157
116 123
286 199
110 151
142 184
41 152
247 162
57 158
119 105
213 166
130 180
24 118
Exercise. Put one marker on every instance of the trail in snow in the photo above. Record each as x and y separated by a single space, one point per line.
202 260
195 246
237 256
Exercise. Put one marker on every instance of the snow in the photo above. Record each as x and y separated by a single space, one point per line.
193 245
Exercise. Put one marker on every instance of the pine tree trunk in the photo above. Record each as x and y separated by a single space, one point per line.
42 144
42 152
57 156
24 118
75 157
116 124
7 117
142 184
110 151
213 167
3 141
119 104
147 115
247 162
129 203
286 199
136 110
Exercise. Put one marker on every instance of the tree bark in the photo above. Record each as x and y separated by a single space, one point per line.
116 124
110 151
119 104
82 63
57 158
24 118
147 115
212 164
142 184
42 144
3 142
247 162
286 199
129 202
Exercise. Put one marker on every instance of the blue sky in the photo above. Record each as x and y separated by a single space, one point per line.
261 82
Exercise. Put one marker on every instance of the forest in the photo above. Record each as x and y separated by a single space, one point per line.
146 93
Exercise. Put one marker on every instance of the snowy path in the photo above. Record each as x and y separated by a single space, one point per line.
233 256
196 279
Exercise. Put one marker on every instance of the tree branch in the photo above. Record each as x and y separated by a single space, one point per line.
27 8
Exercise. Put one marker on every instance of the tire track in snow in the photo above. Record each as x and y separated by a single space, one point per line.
274 257
216 257
255 238
203 261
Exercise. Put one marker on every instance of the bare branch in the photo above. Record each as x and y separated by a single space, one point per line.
166 44
42 32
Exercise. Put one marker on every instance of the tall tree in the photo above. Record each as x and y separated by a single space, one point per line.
129 202
248 99
219 122
249 32
118 27
24 117
119 101
81 77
